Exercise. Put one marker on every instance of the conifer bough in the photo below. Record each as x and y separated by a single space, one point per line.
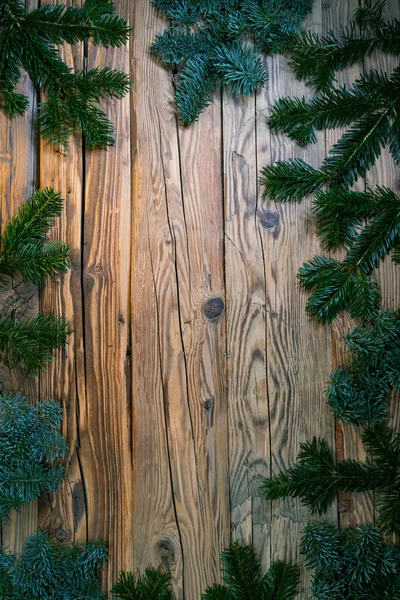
48 570
353 564
358 391
243 579
366 223
205 42
25 250
152 585
317 478
28 41
31 448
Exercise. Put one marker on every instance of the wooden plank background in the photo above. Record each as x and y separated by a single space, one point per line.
193 370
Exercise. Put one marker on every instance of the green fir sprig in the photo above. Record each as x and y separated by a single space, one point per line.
207 43
370 110
366 223
25 250
31 448
317 479
318 58
28 42
152 585
243 579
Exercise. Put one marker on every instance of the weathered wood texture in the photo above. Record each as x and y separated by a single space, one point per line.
193 370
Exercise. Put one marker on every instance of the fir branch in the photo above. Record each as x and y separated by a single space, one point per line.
351 157
24 247
372 93
291 180
206 39
317 58
28 40
241 573
152 585
349 564
316 479
347 285
366 223
30 342
26 250
30 450
338 286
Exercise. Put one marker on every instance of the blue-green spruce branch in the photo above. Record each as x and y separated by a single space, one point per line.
31 451
359 390
207 44
353 564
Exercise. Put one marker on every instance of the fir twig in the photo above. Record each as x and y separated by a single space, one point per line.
358 391
152 585
26 250
366 223
316 479
28 40
243 580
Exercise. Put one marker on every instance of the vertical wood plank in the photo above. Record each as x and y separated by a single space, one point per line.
297 348
64 513
178 377
104 419
250 443
202 320
156 360
18 162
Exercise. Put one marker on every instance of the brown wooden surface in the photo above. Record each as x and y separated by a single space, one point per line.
193 370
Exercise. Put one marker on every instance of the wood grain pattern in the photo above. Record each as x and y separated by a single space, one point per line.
64 514
250 441
193 370
104 415
180 406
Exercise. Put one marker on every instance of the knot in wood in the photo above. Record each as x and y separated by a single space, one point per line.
213 308
208 404
165 549
61 534
269 219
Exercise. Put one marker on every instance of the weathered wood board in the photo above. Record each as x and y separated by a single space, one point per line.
193 370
